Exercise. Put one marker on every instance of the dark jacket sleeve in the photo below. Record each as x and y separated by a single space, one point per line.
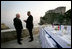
30 20
20 24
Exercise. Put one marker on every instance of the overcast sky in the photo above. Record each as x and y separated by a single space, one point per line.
37 8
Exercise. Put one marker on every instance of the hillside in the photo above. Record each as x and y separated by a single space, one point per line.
56 16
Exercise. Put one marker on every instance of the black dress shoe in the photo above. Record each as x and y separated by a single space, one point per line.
31 40
19 43
29 37
21 39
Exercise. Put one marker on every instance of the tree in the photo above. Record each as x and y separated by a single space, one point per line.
68 17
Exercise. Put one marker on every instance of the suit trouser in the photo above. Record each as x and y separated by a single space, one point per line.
30 33
19 35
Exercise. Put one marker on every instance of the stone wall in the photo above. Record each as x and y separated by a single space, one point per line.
11 35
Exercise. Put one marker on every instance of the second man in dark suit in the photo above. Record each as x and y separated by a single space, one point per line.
29 25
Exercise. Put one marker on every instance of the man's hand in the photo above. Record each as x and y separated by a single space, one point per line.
24 20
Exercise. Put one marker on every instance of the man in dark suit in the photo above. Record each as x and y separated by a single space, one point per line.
18 26
29 25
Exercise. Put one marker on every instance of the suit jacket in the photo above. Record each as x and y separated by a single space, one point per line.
17 24
29 22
